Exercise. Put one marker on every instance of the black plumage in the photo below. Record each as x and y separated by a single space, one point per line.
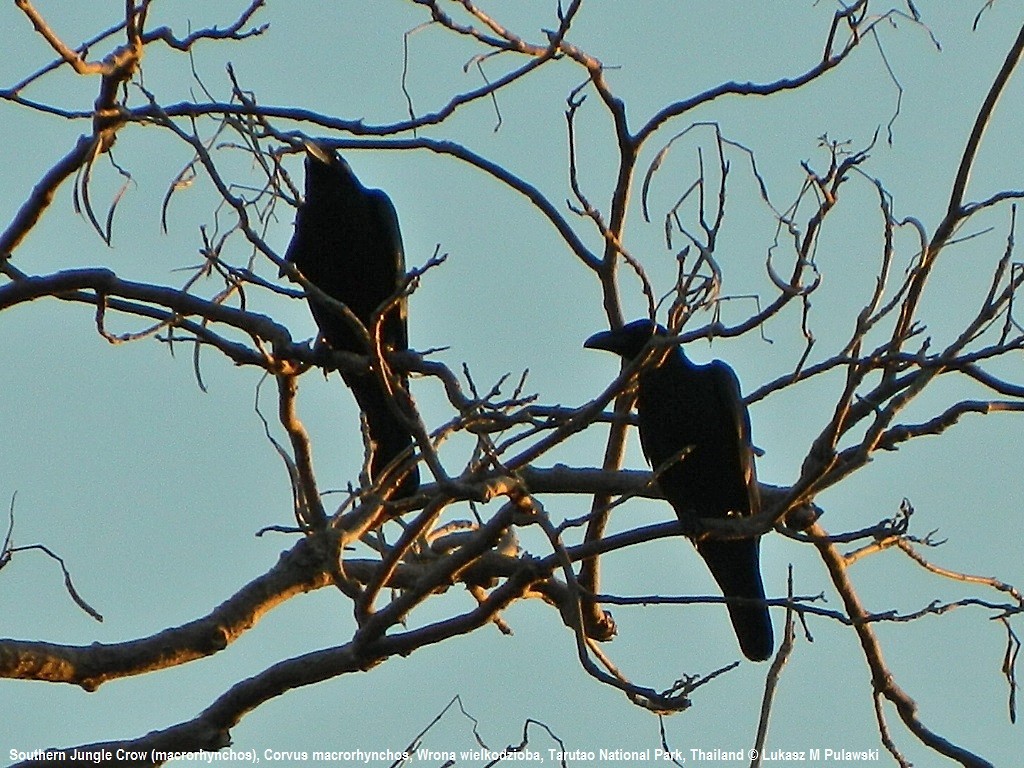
682 405
347 243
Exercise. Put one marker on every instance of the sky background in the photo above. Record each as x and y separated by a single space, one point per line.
152 490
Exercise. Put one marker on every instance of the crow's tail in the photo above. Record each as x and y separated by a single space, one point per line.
736 566
388 435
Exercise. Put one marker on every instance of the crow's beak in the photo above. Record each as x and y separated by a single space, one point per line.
317 152
604 340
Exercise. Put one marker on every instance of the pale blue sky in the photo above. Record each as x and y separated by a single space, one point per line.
151 490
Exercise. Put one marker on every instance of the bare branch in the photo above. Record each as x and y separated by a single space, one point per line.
882 679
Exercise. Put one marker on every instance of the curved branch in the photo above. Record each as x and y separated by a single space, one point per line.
458 151
39 200
829 61
303 568
955 210
210 730
106 283
882 679
231 32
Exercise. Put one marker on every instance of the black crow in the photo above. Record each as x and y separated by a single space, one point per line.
683 406
347 243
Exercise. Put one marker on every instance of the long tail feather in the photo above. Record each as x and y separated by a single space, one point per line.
736 566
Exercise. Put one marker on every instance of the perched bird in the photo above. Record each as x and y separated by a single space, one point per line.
681 405
347 243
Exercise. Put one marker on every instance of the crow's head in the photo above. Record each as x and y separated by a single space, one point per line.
326 170
628 341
